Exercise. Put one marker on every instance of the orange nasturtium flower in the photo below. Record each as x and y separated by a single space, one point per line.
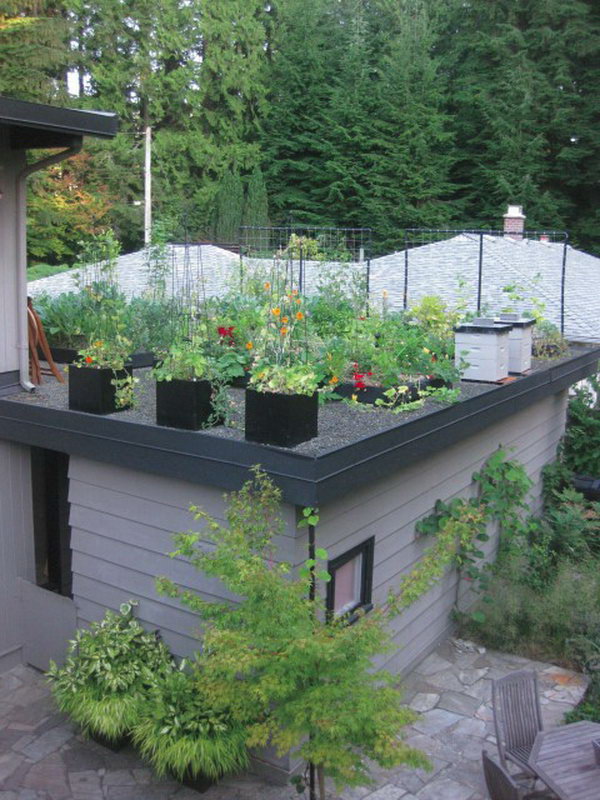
276 311
299 315
249 345
334 380
88 359
298 300
285 320
284 331
267 285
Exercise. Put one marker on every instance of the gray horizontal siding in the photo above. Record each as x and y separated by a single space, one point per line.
389 511
122 525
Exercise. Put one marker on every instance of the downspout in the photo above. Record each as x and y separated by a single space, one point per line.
23 333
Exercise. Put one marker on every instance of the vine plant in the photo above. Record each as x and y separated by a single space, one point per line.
460 527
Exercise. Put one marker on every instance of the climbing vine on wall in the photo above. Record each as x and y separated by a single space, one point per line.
460 528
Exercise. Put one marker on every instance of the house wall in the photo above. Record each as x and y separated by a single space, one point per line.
389 510
11 162
16 547
122 523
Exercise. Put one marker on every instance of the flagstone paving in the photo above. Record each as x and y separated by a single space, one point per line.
42 757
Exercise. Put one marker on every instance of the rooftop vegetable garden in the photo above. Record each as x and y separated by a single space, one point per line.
292 351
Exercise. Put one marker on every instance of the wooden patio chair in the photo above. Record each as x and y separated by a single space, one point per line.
37 339
502 786
517 717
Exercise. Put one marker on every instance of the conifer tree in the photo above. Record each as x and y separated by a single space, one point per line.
229 207
256 206
33 50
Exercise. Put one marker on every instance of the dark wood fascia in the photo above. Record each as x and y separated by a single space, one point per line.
304 479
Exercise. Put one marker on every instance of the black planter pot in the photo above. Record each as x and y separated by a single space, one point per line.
67 355
372 393
183 404
92 389
240 382
111 744
199 783
62 355
142 358
284 420
588 486
437 383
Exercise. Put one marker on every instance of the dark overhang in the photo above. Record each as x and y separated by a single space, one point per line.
34 125
203 458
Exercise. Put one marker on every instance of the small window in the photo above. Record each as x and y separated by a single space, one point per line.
351 580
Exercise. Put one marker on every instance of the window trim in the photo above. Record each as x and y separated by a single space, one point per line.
367 550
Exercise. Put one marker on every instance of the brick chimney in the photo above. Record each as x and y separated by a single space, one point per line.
514 222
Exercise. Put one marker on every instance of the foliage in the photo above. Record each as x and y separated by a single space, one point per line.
581 452
275 662
548 341
62 211
283 379
184 361
109 669
33 49
181 734
38 271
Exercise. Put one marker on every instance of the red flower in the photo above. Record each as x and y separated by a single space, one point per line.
226 333
88 359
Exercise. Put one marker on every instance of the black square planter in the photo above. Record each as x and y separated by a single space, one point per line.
199 783
111 744
284 420
92 389
183 404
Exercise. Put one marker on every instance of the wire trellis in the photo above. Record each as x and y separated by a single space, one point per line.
483 271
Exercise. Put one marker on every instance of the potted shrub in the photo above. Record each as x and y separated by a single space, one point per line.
282 404
108 672
182 734
186 393
101 381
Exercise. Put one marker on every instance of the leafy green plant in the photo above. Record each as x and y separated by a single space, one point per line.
581 443
283 379
184 361
108 672
548 342
274 660
182 734
113 355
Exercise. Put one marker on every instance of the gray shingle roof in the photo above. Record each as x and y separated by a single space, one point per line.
446 268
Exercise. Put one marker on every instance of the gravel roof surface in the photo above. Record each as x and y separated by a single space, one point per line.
339 423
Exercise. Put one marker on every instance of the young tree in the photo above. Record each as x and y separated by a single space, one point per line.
293 677
256 206
229 207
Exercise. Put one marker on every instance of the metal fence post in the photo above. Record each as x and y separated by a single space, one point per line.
405 301
562 284
480 273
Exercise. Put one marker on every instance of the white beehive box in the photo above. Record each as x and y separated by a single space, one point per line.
484 345
520 342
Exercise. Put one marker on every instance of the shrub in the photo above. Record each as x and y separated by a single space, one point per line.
109 669
582 438
181 733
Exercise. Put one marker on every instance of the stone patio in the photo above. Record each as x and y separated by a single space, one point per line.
42 757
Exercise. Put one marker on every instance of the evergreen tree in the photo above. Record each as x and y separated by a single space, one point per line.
521 77
256 207
33 50
303 63
411 134
229 207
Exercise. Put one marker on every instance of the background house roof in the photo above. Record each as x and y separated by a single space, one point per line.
448 268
